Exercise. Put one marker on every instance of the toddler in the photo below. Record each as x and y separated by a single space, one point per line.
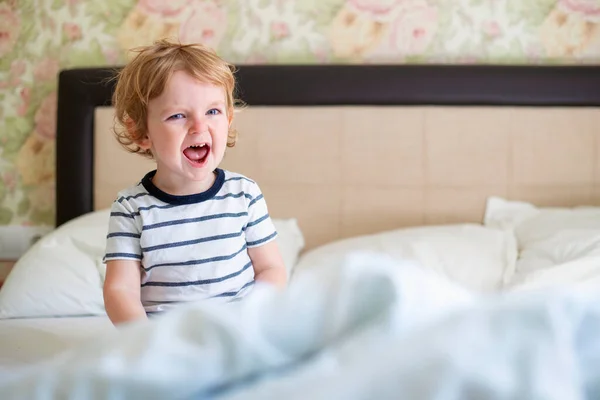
189 230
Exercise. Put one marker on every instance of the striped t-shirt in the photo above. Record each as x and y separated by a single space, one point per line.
190 247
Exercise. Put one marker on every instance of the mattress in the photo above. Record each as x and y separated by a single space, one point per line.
26 341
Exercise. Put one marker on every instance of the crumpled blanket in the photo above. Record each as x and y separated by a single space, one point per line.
369 328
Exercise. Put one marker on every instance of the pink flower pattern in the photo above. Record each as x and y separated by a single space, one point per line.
171 8
411 30
10 27
10 180
206 24
72 31
280 30
25 99
45 117
492 29
376 9
589 8
46 70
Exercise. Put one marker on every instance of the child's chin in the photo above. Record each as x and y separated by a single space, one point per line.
201 174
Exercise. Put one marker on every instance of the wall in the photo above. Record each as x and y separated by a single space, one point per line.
38 38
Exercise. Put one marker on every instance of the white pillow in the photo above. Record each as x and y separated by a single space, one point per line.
547 237
62 274
475 257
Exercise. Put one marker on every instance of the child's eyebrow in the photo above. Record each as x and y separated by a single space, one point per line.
172 108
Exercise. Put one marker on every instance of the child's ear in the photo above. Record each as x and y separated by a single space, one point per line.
144 142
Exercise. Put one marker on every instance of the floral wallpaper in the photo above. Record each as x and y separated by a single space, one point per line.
38 38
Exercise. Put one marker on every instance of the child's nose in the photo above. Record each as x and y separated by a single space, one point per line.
199 125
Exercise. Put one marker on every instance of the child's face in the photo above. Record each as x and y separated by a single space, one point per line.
187 133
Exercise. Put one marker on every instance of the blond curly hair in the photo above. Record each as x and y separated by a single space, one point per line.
146 75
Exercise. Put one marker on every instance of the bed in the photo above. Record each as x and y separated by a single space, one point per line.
476 172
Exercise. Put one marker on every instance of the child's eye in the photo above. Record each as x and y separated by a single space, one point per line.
176 116
214 111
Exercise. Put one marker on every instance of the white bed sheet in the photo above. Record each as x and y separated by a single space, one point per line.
27 341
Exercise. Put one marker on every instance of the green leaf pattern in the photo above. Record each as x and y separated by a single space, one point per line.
38 38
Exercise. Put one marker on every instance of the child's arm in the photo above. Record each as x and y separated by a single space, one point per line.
268 264
122 291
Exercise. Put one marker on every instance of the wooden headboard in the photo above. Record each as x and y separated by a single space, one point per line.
349 149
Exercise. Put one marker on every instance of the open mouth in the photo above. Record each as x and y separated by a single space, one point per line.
197 154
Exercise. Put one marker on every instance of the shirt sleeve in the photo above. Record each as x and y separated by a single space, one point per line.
123 238
260 228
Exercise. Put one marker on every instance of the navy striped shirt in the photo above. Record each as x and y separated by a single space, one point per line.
190 247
